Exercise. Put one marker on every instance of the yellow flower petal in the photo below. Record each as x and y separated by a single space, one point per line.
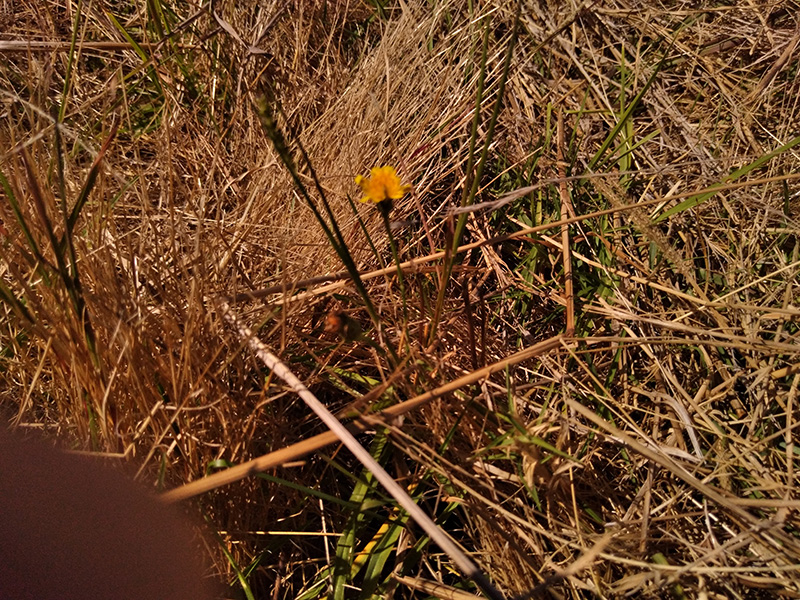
382 184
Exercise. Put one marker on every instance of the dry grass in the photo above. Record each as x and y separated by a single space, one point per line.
651 454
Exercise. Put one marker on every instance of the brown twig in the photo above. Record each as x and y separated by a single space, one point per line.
300 449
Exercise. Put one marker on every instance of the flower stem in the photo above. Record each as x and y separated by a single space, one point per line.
385 208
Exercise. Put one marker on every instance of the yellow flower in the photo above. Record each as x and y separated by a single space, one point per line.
382 184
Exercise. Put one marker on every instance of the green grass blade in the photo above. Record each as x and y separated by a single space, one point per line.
364 230
44 220
700 198
156 17
310 492
70 62
469 197
378 556
138 49
62 193
628 149
248 592
315 591
476 118
8 297
474 179
88 185
345 548
624 117
23 225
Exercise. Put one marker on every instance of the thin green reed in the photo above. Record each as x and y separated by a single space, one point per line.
266 104
473 176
